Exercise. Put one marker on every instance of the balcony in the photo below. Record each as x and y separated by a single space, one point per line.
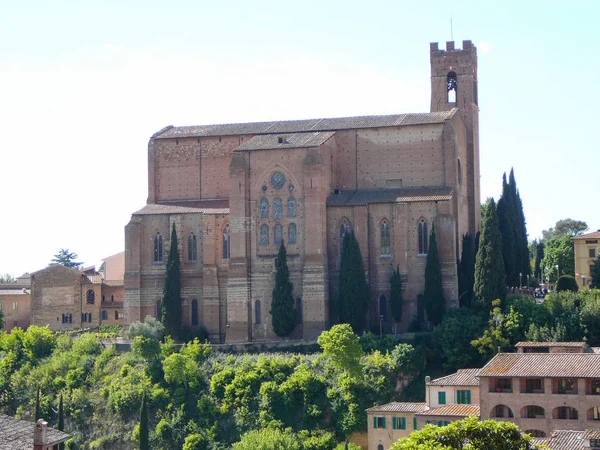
532 386
501 385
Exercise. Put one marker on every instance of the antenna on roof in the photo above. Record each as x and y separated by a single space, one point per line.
451 30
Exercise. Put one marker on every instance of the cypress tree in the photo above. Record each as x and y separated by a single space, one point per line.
490 277
38 411
433 296
354 291
396 301
595 274
466 279
144 435
171 300
522 265
60 425
539 255
506 225
283 314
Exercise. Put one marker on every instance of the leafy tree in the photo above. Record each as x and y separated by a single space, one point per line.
150 328
61 421
268 439
502 331
66 258
466 279
144 434
180 369
195 441
38 342
283 313
171 299
567 283
459 327
565 227
342 348
7 278
466 434
590 316
559 251
490 278
433 296
396 301
595 272
353 291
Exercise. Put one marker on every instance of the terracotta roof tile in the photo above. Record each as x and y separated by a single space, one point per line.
464 377
365 196
591 434
563 440
550 344
284 141
452 410
577 365
296 126
592 235
17 434
399 407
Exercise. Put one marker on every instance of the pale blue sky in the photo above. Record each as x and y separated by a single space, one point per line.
84 84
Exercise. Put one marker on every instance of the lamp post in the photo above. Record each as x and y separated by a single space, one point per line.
520 280
557 273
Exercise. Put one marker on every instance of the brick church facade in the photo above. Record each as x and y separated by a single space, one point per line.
235 191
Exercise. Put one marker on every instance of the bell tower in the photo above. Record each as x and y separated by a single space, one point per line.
454 85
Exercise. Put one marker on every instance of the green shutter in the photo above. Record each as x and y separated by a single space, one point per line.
374 422
403 423
442 398
468 397
394 423
440 423
383 422
414 423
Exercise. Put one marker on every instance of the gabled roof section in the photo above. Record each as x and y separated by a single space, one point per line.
283 141
216 206
17 434
592 235
551 344
452 410
539 365
300 126
464 377
563 440
399 407
396 195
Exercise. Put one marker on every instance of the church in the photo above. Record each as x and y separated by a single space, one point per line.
234 192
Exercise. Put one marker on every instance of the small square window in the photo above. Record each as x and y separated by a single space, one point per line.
592 252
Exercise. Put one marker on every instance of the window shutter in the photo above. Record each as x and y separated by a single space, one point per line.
414 423
442 398
383 422
394 422
374 422
468 397
403 423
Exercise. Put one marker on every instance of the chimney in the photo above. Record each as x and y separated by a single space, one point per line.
40 431
427 379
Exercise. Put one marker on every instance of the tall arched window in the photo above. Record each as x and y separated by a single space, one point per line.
264 235
345 227
451 86
383 308
292 234
257 313
278 234
194 312
158 248
385 238
277 208
104 314
264 208
423 237
116 315
90 297
226 242
192 248
291 207
159 310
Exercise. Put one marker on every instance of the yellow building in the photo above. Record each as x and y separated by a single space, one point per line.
587 248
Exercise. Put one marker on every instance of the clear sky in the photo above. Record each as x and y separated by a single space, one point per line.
84 84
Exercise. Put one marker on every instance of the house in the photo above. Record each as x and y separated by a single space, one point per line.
18 434
15 304
587 249
571 440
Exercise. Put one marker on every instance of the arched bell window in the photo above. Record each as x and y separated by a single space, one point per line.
451 87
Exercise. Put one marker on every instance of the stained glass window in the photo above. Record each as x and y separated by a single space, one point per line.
292 234
277 208
385 238
264 235
278 234
277 180
192 247
264 208
291 207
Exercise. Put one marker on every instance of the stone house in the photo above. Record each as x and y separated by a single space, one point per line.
15 304
587 249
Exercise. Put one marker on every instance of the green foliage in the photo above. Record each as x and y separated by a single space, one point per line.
353 289
458 328
147 348
467 434
150 328
195 441
501 332
507 224
283 314
558 251
596 274
396 301
171 299
565 227
37 415
144 437
342 348
268 439
522 265
567 283
60 425
66 258
348 446
490 277
38 342
466 270
433 296
538 256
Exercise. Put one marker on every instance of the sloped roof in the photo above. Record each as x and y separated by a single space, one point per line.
218 206
365 196
452 410
563 440
576 365
283 141
17 434
399 407
551 344
591 434
464 377
299 126
592 235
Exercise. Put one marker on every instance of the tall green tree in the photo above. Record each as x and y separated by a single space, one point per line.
595 269
522 265
490 278
61 421
66 258
171 299
396 301
558 251
433 296
538 248
144 435
283 313
466 279
38 410
507 225
354 290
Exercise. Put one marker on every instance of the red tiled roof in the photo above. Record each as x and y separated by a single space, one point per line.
283 141
563 440
592 235
452 410
591 434
576 365
464 377
399 407
17 434
550 344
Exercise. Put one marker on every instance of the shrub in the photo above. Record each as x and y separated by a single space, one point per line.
150 328
567 283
